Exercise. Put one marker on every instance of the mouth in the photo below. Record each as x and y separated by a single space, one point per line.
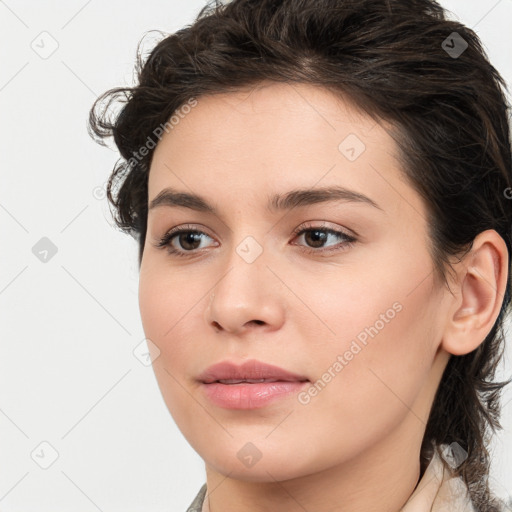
250 385
249 372
250 381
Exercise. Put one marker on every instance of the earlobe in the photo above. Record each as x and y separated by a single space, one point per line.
482 278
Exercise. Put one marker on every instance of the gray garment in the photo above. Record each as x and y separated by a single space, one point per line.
197 504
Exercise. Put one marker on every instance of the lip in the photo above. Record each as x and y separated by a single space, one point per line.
280 384
252 369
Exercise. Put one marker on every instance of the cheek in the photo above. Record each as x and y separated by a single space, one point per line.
166 316
371 370
172 310
166 303
385 359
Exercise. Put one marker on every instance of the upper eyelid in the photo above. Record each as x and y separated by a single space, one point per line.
305 226
323 226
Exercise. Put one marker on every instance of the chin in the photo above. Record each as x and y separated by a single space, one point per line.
269 465
261 472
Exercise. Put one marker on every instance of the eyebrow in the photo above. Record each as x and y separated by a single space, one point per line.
277 202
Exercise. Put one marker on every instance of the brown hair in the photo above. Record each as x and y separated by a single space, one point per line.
392 59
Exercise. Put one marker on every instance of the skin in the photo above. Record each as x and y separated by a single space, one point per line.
354 446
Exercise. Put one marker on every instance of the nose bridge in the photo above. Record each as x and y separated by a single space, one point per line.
244 293
244 278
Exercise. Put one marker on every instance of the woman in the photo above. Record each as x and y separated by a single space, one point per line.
321 194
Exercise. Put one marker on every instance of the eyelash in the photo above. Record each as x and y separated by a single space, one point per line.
165 241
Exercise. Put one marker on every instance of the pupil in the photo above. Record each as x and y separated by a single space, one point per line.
188 238
319 236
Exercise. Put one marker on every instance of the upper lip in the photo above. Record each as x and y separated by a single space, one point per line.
252 369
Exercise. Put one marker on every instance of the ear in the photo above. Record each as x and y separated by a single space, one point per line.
478 297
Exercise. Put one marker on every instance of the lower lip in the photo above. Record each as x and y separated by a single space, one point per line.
250 396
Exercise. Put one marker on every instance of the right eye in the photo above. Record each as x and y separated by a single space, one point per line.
182 241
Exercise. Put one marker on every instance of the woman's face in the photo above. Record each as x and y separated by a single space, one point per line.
357 313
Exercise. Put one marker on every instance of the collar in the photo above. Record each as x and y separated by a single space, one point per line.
438 490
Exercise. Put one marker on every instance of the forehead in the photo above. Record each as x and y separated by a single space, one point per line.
293 111
278 137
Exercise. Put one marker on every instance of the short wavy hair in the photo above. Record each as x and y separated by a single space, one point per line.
391 58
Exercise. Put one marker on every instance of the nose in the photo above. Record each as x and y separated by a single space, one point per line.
247 297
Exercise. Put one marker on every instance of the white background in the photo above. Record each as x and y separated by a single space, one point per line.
68 375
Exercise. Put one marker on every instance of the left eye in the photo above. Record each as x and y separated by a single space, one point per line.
318 236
